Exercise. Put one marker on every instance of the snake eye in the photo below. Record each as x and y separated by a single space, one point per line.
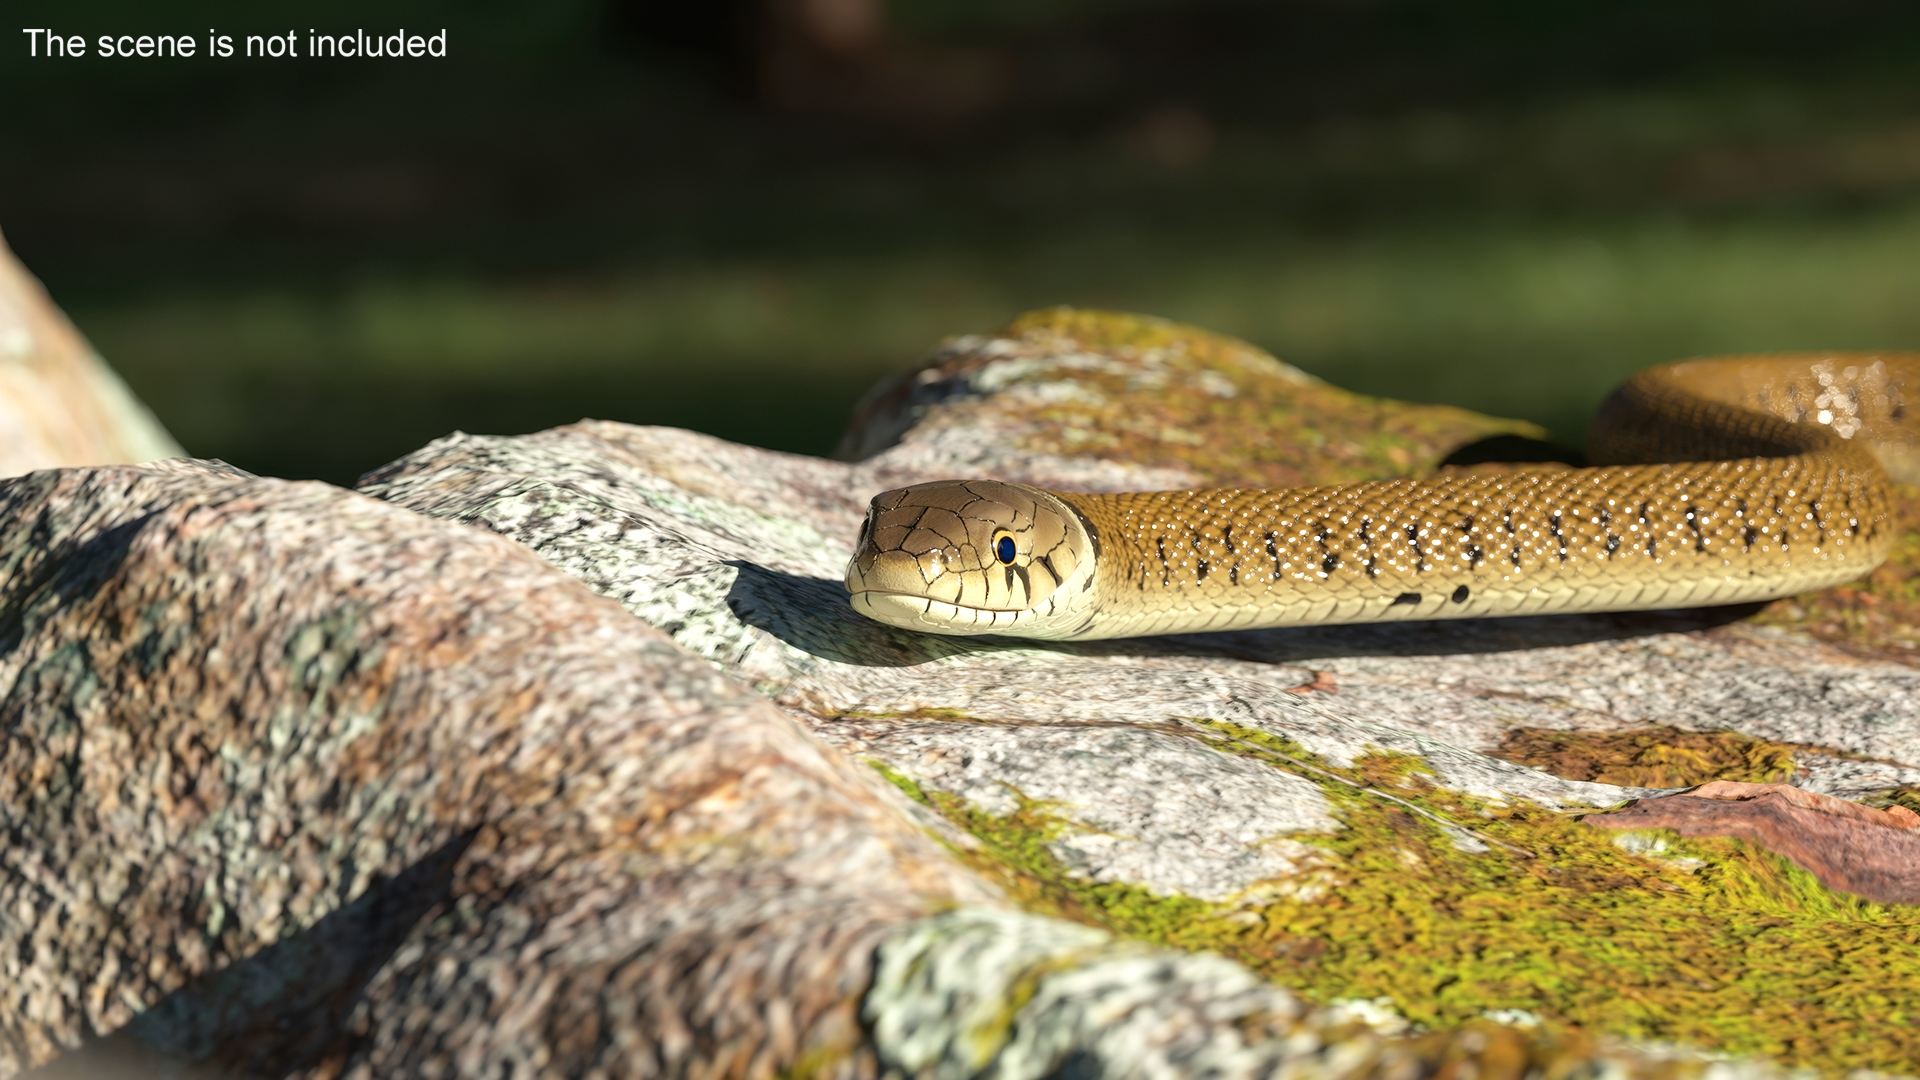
1005 549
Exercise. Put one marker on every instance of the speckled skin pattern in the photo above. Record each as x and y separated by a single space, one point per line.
1776 487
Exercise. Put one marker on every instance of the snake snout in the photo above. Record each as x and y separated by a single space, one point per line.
901 572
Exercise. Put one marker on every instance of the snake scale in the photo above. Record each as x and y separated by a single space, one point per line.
1718 481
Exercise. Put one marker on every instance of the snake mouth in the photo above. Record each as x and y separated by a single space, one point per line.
918 599
923 613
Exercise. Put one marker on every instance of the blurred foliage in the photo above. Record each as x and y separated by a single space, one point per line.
309 267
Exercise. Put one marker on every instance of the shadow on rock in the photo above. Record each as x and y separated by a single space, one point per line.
812 615
282 1009
1439 637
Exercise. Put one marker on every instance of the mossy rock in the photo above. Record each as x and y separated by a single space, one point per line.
1578 930
1424 780
1148 392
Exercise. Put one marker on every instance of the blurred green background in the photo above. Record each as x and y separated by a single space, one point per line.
735 216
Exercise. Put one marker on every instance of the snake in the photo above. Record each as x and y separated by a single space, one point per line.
1714 481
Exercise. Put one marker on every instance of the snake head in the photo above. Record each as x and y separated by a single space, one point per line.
973 557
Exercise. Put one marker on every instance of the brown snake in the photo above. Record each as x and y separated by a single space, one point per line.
1720 481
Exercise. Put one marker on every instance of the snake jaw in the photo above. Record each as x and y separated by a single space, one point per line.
935 616
932 558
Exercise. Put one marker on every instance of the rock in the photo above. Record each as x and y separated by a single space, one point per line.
1222 790
302 782
1133 402
298 783
59 402
295 779
1854 848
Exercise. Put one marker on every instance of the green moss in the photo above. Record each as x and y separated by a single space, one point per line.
1391 771
1176 395
815 1063
1651 757
1013 851
1092 328
902 781
1904 795
1711 943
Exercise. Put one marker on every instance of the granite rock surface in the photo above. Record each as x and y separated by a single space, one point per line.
562 755
738 554
299 783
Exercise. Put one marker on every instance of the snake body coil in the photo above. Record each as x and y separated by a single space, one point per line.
1735 480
